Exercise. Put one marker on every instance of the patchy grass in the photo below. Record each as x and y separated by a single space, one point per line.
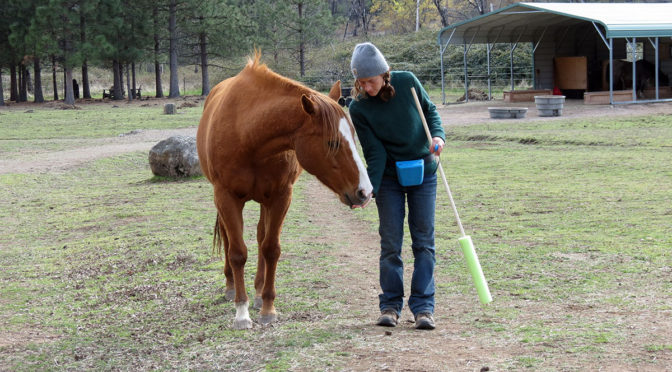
117 266
48 127
106 267
571 221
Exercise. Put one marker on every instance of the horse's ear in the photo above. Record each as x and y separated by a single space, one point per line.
308 105
335 92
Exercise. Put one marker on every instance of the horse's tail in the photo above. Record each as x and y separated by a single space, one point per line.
217 238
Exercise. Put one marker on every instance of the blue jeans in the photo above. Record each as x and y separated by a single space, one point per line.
391 203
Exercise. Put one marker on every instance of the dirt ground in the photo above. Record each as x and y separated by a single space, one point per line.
379 351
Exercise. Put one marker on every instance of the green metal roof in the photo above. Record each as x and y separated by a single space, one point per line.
528 22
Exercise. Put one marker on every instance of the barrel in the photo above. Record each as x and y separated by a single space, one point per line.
549 105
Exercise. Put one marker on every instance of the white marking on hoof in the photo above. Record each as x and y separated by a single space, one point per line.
242 320
258 301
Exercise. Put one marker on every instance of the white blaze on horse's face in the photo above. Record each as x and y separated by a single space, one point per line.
364 182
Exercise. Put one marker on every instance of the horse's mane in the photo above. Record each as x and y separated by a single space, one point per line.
330 112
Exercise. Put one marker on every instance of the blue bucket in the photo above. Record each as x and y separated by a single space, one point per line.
410 172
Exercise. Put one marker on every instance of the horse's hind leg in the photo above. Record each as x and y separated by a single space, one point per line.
230 211
275 212
261 262
220 232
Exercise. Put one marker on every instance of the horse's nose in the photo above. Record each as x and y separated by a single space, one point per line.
362 195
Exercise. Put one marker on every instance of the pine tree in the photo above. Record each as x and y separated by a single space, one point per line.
216 27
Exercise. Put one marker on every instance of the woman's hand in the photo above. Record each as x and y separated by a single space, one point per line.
437 146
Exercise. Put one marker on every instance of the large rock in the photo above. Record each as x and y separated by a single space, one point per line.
175 157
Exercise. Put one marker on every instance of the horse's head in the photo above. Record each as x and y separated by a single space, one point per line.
325 147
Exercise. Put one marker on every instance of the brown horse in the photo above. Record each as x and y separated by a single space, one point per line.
257 132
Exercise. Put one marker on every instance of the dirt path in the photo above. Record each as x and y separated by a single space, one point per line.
402 348
97 148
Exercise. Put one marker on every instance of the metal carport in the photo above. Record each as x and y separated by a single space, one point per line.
538 22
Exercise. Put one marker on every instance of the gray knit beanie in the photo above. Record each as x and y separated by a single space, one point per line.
367 61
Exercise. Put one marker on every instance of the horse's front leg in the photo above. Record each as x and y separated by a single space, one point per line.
274 215
230 211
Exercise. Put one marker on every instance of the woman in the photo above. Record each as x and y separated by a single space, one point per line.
390 129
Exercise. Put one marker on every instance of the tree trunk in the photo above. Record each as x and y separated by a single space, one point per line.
205 80
172 29
417 15
2 92
19 82
23 83
133 80
86 89
69 93
157 66
65 83
157 74
302 45
13 90
121 79
117 80
29 81
128 83
39 97
443 12
53 77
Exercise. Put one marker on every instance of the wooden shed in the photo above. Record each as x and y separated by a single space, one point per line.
584 49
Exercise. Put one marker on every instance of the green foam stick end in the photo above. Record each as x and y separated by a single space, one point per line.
475 269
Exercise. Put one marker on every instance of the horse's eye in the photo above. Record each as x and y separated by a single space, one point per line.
333 145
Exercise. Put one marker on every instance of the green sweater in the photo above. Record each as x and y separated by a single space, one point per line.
392 131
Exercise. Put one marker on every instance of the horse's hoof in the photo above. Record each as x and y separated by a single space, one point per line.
230 294
258 301
242 324
268 319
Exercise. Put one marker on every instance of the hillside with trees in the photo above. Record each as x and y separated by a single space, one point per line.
52 45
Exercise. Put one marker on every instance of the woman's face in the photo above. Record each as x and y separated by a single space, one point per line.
372 85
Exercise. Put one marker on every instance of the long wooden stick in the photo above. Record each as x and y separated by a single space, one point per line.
443 175
465 241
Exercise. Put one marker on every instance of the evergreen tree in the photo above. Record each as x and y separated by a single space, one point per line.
62 17
174 89
125 35
22 14
157 21
87 16
5 16
136 36
293 26
271 33
310 24
218 27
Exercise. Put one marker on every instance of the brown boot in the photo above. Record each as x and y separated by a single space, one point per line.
388 318
424 321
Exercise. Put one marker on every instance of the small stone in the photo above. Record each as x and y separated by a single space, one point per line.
169 108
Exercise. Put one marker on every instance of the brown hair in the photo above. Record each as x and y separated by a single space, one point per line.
386 92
